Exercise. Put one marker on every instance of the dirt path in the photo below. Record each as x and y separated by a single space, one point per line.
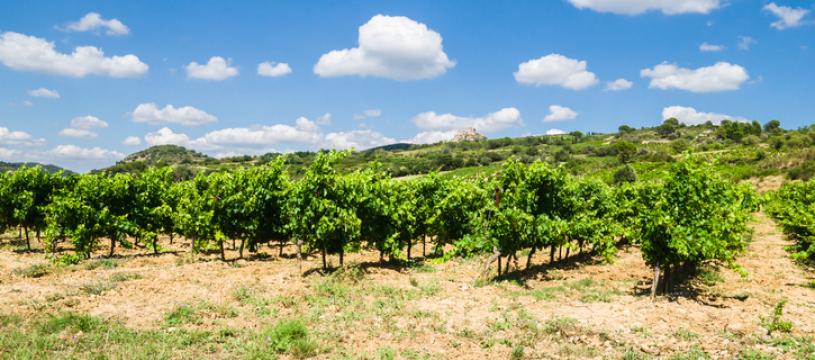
773 276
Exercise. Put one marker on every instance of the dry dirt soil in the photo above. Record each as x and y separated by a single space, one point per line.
579 308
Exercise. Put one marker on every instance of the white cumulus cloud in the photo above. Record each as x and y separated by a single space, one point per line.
304 131
9 154
788 17
169 114
722 76
324 119
689 116
82 127
555 132
131 141
80 153
636 7
357 139
216 69
745 42
432 137
556 69
492 122
393 47
15 137
88 122
619 85
44 93
78 133
705 47
93 21
368 114
560 113
30 53
166 136
272 69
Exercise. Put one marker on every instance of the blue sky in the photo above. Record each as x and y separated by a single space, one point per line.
186 72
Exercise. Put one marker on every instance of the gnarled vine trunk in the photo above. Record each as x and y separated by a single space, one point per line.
655 282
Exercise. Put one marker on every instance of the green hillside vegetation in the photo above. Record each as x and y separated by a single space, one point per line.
6 166
742 150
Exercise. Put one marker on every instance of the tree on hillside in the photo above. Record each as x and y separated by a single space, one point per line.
625 150
625 174
668 127
772 126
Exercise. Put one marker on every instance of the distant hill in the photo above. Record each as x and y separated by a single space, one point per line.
167 155
186 162
743 149
5 166
391 147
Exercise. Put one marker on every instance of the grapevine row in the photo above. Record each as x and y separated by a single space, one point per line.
690 217
793 207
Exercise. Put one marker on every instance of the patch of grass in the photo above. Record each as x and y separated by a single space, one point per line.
243 294
101 263
54 297
218 310
695 353
467 333
351 274
386 353
754 354
710 276
10 320
290 337
587 290
802 347
631 354
422 267
643 331
33 271
548 293
685 334
582 284
194 314
501 323
560 325
415 355
481 282
97 288
68 259
124 276
80 336
810 284
775 322
182 314
578 351
56 324
329 291
517 353
429 289
251 297
598 295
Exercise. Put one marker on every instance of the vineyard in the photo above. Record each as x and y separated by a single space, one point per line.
793 206
689 218
522 224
